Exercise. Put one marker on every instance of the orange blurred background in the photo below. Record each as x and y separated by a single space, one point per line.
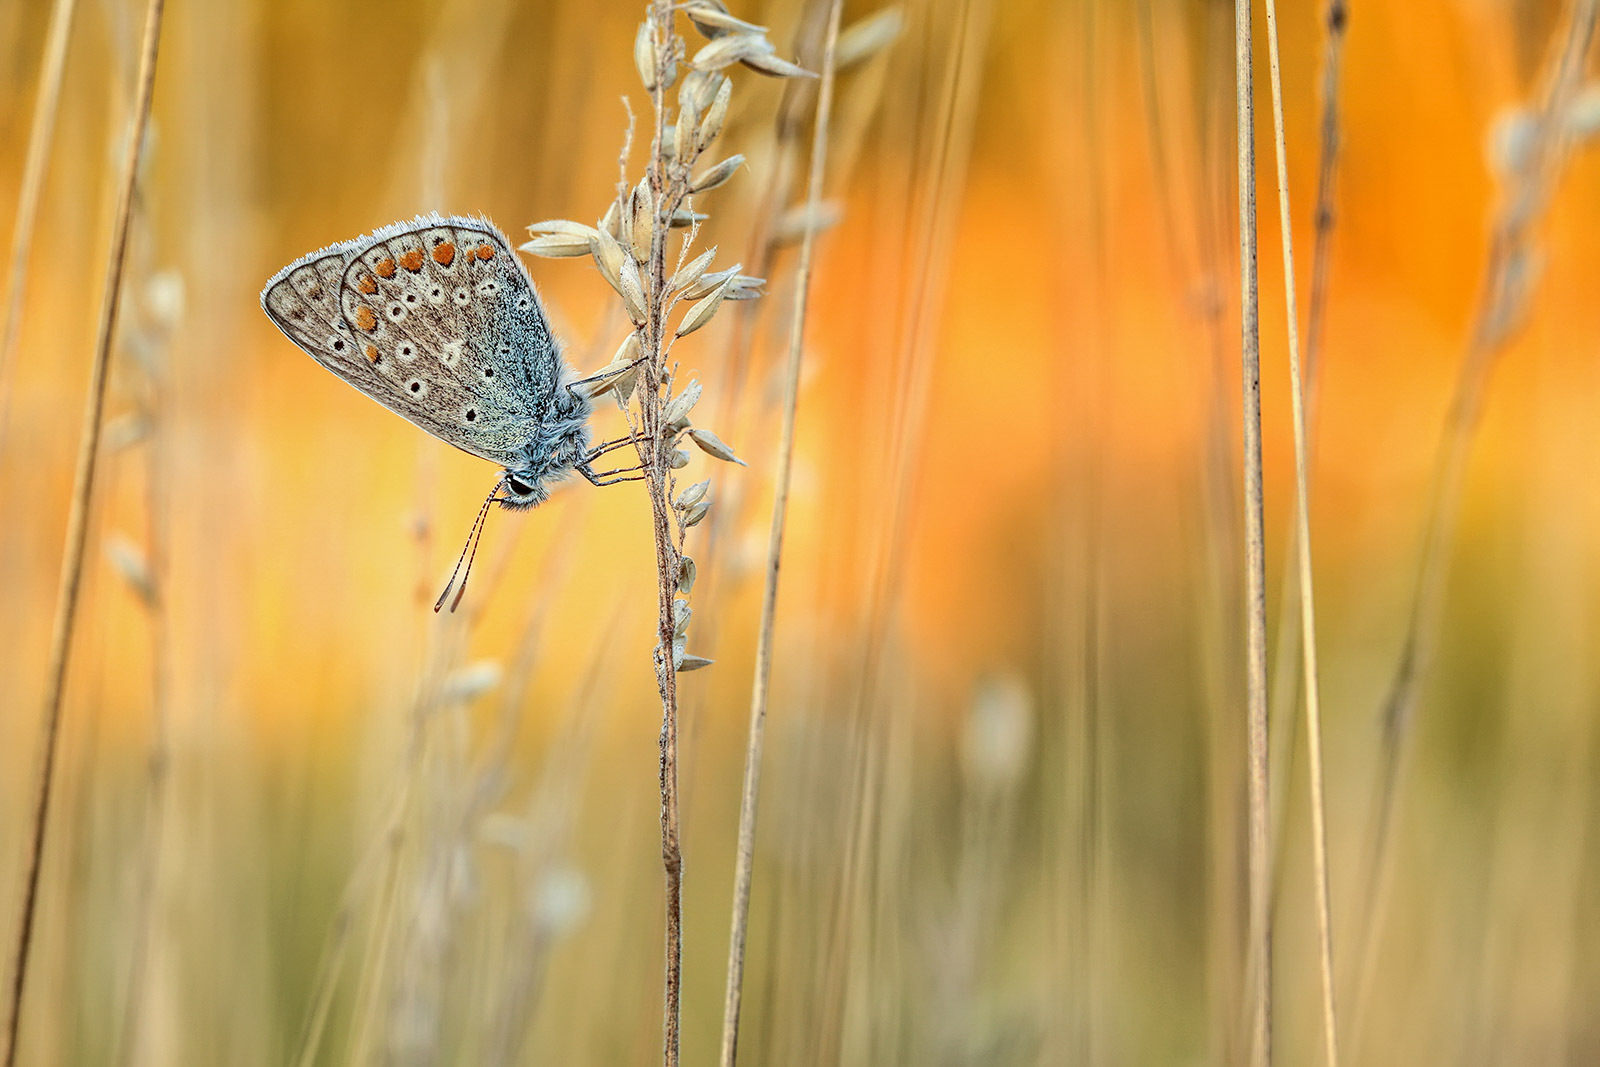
1022 355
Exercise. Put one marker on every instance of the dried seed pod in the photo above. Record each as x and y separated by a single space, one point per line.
558 246
715 115
632 289
679 406
683 135
684 217
693 516
774 67
714 176
566 226
698 90
730 49
644 53
712 445
862 40
686 575
689 662
611 221
680 617
642 228
692 495
678 460
701 312
690 272
712 19
708 283
745 287
609 257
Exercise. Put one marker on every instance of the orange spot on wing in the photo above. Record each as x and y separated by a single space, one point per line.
385 268
412 260
485 252
365 318
372 353
444 254
367 284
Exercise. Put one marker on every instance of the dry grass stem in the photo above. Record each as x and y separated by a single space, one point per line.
1533 148
77 537
744 862
1308 622
40 136
1259 957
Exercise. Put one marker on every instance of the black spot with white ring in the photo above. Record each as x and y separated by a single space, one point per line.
463 297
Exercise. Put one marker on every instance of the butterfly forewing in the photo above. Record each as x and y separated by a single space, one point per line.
436 320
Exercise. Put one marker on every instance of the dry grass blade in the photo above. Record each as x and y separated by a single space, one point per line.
1259 958
744 863
40 136
1308 623
77 538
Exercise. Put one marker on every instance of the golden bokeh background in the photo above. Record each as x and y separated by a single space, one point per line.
1002 815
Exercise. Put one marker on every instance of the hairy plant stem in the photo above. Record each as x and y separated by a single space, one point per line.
77 538
744 864
666 193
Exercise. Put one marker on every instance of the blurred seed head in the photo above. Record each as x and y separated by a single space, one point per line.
465 684
561 900
862 40
130 562
997 739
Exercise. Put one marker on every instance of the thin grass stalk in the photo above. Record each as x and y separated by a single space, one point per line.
1308 619
45 108
1259 960
1285 669
744 863
1502 301
77 538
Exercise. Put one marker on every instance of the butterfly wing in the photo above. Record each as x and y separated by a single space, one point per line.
436 320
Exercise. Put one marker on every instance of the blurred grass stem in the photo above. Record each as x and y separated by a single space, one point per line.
40 135
77 536
1308 620
744 862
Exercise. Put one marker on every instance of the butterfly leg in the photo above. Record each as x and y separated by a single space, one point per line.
606 446
606 477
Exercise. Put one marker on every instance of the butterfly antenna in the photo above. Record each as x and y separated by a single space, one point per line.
469 551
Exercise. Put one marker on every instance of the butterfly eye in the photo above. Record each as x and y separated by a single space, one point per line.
518 486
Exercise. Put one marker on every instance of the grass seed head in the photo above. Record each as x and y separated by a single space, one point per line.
690 272
716 175
732 48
